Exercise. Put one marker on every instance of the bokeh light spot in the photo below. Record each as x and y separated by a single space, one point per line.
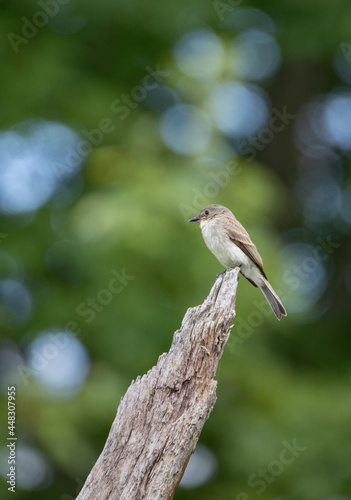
304 275
248 18
255 55
186 129
201 467
17 301
32 160
199 54
59 361
33 471
161 98
337 119
239 110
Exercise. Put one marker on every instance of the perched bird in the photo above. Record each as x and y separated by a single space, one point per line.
232 245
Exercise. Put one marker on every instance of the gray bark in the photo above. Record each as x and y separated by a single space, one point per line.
160 418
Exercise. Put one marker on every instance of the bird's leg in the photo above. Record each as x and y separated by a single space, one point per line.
224 271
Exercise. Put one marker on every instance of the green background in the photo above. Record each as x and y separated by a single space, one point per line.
126 208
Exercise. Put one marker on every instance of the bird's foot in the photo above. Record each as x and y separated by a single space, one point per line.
219 274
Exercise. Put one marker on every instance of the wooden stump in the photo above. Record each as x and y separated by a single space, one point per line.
160 418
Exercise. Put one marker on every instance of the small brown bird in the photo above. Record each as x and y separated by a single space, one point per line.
232 245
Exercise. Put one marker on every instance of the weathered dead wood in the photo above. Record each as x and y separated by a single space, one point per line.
160 418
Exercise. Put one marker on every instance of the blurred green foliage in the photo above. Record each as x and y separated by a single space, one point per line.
127 212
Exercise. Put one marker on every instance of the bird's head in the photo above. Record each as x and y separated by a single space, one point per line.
209 213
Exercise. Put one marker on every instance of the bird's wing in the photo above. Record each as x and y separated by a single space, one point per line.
241 239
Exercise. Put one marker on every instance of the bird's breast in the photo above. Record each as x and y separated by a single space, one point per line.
218 242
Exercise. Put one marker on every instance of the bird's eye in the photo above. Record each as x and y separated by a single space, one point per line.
207 212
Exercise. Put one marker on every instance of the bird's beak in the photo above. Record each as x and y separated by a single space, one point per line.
194 219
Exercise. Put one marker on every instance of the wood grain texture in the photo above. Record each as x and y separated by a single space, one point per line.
160 418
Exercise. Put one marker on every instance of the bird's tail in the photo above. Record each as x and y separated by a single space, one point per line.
273 299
